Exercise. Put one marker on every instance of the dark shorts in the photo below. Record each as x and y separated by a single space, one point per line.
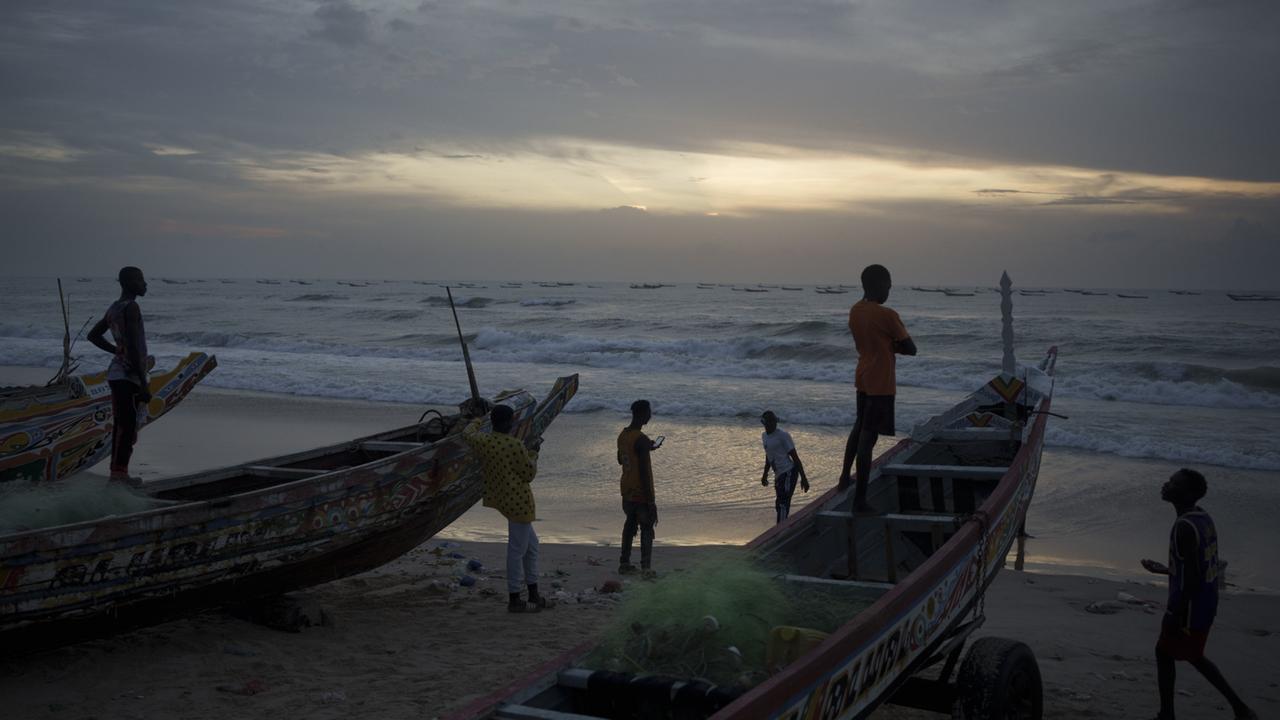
875 413
1181 644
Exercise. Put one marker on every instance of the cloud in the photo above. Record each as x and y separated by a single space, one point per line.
170 226
343 23
839 117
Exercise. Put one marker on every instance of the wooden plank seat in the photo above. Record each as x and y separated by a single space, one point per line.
971 434
868 587
285 472
388 446
971 472
524 712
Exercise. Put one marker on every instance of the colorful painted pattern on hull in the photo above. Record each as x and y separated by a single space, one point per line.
50 434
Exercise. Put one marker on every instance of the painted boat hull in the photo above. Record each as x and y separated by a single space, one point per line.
49 434
67 583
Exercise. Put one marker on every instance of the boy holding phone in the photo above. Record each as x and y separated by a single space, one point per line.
634 448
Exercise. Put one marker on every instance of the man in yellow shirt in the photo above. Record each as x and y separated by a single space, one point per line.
508 469
879 335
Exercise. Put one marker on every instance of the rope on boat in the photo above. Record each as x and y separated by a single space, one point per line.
425 426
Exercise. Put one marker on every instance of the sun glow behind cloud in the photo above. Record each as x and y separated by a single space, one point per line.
737 179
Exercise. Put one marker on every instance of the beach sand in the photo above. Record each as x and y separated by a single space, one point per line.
408 642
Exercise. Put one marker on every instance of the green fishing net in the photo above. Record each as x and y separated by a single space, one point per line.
32 507
712 622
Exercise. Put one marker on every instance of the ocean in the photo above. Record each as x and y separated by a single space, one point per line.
1148 384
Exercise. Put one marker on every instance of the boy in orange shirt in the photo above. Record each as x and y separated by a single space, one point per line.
878 334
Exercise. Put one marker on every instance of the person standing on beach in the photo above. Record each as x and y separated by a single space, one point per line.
508 469
128 373
1193 593
638 503
780 454
879 335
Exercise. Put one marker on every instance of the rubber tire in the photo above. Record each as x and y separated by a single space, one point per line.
999 680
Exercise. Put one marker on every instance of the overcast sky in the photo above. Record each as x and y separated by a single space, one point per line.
1109 142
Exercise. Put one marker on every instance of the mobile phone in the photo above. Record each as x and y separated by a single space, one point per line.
657 443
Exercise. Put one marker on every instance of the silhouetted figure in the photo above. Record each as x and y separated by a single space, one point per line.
1193 592
878 334
128 372
509 469
634 448
780 455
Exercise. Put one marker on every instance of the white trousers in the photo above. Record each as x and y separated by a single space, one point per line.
522 555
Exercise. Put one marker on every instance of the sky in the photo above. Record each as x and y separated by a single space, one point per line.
1117 143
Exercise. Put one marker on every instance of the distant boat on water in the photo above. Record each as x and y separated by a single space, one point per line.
830 291
793 289
924 289
1251 297
1090 292
1131 297
647 286
957 293
1184 292
756 289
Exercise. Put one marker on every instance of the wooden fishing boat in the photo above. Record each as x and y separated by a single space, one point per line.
955 493
52 432
250 530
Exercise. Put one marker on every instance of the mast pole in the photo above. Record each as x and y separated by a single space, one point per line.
1009 367
466 356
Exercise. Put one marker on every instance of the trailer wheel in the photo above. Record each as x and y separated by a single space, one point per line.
999 680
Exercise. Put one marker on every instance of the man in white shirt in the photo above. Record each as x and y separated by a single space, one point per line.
780 454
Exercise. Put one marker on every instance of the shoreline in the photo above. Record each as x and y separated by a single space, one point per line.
709 482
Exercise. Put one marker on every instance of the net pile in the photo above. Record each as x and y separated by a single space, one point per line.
32 507
713 622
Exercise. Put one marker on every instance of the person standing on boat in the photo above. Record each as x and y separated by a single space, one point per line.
879 335
508 468
638 503
128 372
780 455
1193 593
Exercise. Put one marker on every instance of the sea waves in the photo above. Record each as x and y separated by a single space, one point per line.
782 355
